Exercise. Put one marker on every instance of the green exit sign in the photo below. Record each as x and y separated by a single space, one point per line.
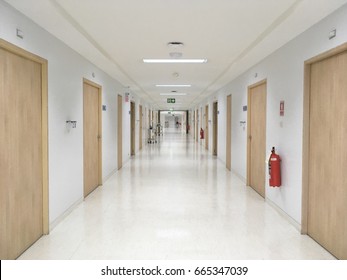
171 100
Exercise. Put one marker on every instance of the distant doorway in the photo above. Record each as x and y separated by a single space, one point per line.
215 129
132 128
228 132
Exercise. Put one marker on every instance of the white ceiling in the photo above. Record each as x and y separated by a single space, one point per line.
232 34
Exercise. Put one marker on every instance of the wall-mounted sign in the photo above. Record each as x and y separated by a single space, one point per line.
171 100
127 97
282 108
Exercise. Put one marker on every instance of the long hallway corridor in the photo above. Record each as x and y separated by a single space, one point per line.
174 200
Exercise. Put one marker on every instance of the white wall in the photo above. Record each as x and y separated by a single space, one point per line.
284 73
66 70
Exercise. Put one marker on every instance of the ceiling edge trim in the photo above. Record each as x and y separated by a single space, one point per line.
278 21
92 41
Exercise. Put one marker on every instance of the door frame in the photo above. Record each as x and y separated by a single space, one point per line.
99 87
306 129
44 123
249 110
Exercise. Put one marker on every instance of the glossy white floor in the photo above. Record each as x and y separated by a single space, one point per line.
175 201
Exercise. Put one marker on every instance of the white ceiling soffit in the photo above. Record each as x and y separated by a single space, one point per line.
116 35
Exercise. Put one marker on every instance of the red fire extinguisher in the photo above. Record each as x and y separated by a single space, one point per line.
201 133
274 169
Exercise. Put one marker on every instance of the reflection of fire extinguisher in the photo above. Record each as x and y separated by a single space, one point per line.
274 169
201 133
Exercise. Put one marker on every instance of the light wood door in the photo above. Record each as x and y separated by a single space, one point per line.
132 128
206 127
327 203
257 137
120 132
92 136
149 118
196 125
228 136
21 153
215 128
140 128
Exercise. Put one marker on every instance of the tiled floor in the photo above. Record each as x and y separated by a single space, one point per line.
175 201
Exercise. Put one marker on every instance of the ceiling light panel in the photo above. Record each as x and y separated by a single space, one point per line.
174 60
173 85
173 94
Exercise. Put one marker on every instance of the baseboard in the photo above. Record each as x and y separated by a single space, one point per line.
239 176
284 215
110 175
65 214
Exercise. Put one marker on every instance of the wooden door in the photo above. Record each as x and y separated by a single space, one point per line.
327 201
23 150
201 121
91 136
132 128
257 137
140 128
206 127
194 127
228 136
215 129
120 132
149 118
197 125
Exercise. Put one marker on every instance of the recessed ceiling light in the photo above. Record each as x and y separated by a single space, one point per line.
173 94
174 60
173 85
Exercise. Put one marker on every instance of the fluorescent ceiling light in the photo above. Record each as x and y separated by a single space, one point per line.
174 60
173 85
174 93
